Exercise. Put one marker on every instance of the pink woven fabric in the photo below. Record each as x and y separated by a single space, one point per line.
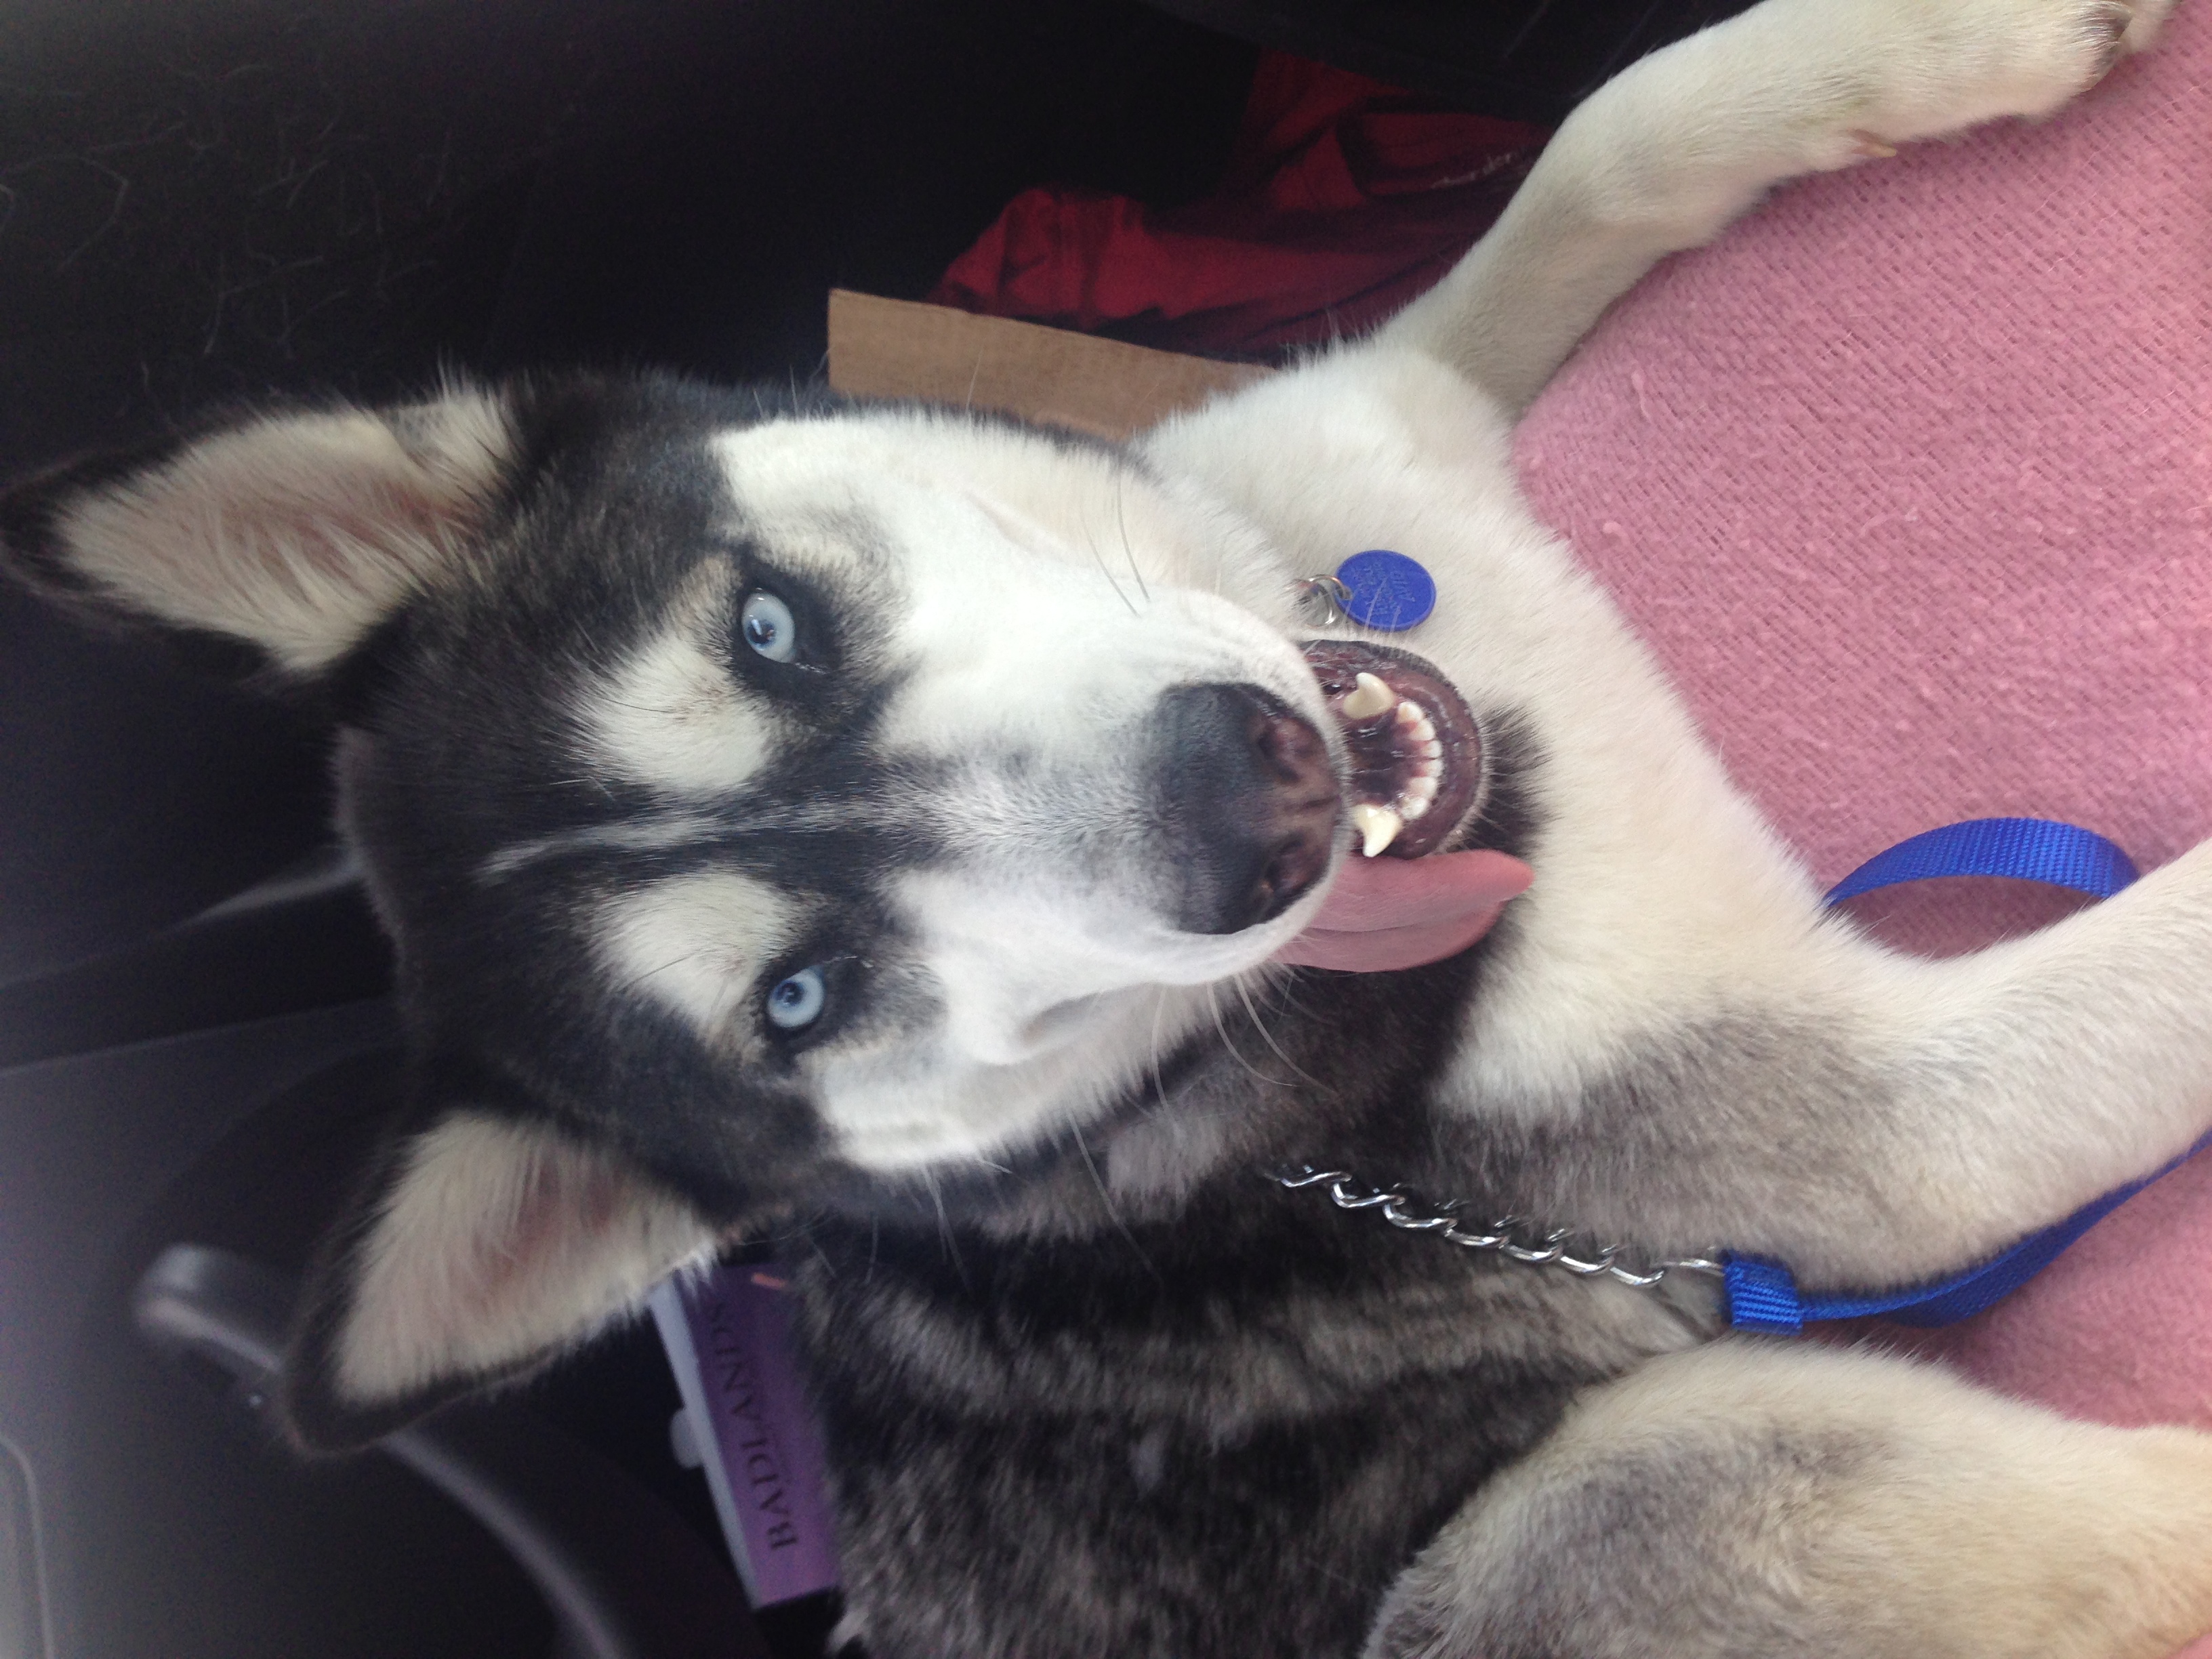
1907 480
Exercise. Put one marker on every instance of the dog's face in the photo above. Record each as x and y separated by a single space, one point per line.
924 804
765 803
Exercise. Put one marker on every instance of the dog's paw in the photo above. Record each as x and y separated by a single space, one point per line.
2081 39
1955 64
2145 19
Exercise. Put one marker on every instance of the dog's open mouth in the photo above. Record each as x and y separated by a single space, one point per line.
1415 753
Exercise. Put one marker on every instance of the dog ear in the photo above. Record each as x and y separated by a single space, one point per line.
296 532
479 1249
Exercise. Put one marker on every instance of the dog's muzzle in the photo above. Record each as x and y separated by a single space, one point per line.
1246 803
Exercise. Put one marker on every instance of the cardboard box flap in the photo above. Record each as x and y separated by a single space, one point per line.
883 348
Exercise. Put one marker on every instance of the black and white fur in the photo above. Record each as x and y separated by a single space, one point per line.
1019 792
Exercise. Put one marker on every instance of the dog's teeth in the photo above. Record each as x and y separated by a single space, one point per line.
1420 793
1369 697
1378 826
1432 750
1417 725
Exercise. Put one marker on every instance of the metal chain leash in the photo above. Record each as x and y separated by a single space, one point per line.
1503 1235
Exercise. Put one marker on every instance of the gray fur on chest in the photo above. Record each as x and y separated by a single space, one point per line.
1222 1434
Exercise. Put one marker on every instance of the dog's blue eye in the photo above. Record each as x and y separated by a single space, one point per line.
796 1002
767 623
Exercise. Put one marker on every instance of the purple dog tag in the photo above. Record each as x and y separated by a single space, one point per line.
729 1342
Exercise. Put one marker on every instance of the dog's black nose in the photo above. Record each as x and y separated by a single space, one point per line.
1247 803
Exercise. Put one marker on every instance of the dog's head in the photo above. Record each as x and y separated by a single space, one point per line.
767 802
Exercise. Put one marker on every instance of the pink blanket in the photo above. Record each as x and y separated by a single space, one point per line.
1907 480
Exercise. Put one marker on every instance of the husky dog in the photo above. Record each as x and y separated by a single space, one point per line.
869 819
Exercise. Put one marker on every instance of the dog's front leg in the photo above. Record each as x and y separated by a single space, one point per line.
1666 153
1757 1501
1766 1080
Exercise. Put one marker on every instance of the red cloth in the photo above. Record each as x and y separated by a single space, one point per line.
1342 200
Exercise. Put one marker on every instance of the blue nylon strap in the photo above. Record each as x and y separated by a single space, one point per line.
2031 849
1763 1294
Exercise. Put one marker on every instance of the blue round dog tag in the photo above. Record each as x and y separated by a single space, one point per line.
1386 590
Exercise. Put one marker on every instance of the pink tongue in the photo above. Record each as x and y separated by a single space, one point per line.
1401 912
